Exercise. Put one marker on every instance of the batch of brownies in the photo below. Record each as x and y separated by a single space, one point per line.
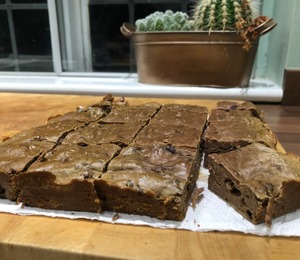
145 160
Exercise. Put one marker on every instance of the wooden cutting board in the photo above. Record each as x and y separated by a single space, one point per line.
35 237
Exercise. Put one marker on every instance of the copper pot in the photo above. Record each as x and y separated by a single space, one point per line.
192 58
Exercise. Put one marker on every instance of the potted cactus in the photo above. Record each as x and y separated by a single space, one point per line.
214 47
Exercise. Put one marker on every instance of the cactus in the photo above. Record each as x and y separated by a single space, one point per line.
231 15
225 15
164 21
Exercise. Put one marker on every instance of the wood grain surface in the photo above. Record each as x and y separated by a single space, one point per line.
35 237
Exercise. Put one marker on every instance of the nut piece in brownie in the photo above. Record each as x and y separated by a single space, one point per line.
150 179
63 178
15 157
259 182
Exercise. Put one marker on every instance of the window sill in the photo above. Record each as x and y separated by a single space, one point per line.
258 91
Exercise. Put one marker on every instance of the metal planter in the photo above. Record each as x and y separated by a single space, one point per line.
216 59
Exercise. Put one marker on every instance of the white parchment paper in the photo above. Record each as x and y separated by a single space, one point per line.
211 214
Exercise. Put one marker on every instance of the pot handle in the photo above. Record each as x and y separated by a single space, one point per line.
127 29
267 25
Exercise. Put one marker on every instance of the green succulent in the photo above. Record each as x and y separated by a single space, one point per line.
164 21
231 15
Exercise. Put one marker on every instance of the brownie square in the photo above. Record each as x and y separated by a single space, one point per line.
132 114
223 136
15 157
259 182
237 107
51 132
177 135
187 116
91 113
154 180
96 133
63 178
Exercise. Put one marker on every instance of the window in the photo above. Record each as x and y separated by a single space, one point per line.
61 39
89 38
25 41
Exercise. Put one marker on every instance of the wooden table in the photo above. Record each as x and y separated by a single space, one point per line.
32 237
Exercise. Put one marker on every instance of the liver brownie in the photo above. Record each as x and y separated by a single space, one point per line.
236 108
52 132
223 136
178 125
132 114
63 178
232 125
93 112
258 181
156 174
191 116
15 157
154 180
96 133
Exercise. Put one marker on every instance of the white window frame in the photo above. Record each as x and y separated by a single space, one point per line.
118 84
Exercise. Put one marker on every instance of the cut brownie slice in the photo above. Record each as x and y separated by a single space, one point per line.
192 116
259 182
223 136
91 113
95 133
63 178
178 125
153 180
177 135
232 107
132 114
52 132
14 158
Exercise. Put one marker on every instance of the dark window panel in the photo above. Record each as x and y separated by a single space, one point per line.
28 1
110 49
32 32
5 42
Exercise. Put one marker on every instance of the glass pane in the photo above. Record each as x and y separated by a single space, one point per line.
28 1
33 42
5 44
110 50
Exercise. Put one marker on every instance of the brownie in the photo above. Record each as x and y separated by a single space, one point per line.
132 114
156 174
223 136
63 178
154 180
52 132
96 133
178 125
181 115
177 135
234 107
235 124
15 157
258 181
93 112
